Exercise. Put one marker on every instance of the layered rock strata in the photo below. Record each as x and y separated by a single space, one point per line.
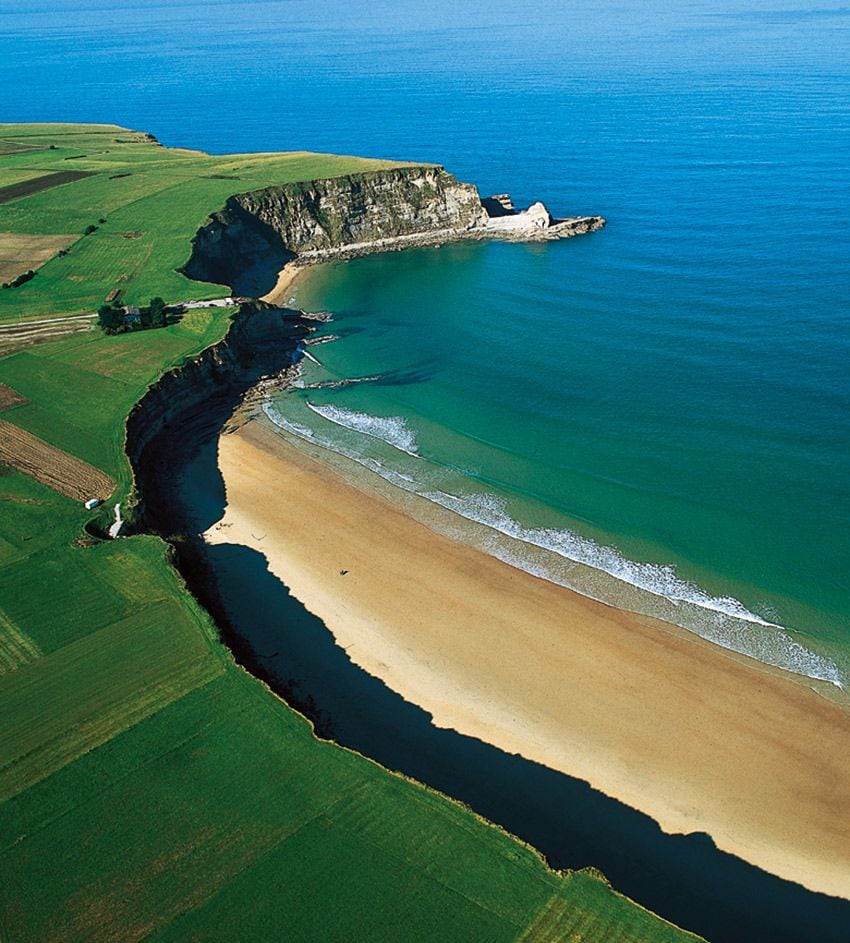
343 217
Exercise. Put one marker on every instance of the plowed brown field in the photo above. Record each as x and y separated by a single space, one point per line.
51 466
17 191
22 252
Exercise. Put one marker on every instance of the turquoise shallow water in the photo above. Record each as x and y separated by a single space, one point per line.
666 401
636 434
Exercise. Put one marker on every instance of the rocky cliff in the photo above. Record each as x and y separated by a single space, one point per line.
192 402
247 243
363 208
268 227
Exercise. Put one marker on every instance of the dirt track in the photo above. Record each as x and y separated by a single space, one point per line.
18 335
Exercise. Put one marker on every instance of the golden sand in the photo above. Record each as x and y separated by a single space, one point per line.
280 294
696 737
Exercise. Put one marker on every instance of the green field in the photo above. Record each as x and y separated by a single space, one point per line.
151 788
153 201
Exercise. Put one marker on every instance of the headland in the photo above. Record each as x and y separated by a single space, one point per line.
261 233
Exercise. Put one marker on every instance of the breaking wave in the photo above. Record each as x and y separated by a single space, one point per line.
390 429
723 620
564 557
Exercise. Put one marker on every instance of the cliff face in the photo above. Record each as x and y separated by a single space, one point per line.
197 399
257 233
249 241
326 214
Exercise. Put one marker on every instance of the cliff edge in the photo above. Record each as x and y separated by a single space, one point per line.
248 242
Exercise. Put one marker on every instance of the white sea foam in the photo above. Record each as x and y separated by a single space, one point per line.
592 569
723 620
390 429
288 425
656 578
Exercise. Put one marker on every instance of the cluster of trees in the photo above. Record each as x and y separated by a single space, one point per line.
114 319
19 280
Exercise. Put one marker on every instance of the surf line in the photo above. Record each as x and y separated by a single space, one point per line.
398 435
789 655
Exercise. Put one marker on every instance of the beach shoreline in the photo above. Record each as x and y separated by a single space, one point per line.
279 295
699 738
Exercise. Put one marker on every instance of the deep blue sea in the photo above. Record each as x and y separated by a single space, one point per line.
657 414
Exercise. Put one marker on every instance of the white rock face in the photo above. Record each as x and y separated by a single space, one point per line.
536 217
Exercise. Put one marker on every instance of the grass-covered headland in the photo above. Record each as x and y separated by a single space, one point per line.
149 787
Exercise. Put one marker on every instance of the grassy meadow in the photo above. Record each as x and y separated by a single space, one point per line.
145 201
151 789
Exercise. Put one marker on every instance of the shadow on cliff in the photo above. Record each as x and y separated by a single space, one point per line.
683 878
237 249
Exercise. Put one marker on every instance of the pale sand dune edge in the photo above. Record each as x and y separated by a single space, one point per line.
699 739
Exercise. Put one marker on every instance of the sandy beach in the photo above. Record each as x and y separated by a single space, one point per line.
280 294
698 738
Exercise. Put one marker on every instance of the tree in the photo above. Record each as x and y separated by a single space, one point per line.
110 319
157 312
22 279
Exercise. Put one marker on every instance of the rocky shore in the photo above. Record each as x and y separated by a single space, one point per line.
527 226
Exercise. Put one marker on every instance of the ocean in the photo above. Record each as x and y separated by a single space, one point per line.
658 414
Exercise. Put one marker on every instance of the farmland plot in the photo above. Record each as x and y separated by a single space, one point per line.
22 252
64 473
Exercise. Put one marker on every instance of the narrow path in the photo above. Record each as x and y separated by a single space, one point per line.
13 326
22 334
